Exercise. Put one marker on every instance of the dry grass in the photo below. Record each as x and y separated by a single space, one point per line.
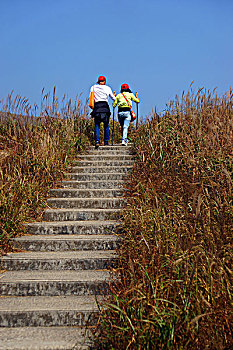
34 154
175 271
36 146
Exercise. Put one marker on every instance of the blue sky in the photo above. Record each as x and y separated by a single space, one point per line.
158 47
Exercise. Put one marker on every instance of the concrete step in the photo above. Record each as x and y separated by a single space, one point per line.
45 338
95 203
49 290
90 227
117 147
104 163
71 260
49 283
110 184
106 156
101 169
85 193
47 311
55 243
117 152
81 214
96 176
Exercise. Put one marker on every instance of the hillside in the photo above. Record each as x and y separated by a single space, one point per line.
175 273
174 287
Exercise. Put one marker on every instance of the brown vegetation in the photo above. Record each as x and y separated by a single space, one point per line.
34 153
175 271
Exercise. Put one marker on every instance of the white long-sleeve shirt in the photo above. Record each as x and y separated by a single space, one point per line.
102 93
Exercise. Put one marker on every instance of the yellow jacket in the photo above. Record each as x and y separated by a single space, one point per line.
120 100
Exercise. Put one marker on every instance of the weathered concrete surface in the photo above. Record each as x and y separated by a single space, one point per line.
87 227
117 147
101 169
104 163
105 156
27 275
81 214
49 283
83 203
98 184
117 152
56 281
71 260
47 311
72 242
96 176
86 193
45 338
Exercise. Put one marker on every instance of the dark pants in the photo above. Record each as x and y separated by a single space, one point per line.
102 119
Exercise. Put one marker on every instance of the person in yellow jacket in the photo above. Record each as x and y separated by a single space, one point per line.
124 115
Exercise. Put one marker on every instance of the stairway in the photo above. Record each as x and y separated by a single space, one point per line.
50 288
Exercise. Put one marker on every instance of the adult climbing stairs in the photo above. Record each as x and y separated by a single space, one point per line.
51 287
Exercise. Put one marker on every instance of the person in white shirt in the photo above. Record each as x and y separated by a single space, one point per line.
101 111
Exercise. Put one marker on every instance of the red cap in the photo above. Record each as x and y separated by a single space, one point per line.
101 78
124 86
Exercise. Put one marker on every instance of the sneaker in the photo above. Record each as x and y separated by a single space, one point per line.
124 143
97 145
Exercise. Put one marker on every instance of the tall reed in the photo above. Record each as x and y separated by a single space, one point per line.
34 153
36 146
175 277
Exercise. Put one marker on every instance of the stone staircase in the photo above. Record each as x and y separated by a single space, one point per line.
50 290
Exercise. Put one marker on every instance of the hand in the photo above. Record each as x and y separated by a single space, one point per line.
114 93
136 94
